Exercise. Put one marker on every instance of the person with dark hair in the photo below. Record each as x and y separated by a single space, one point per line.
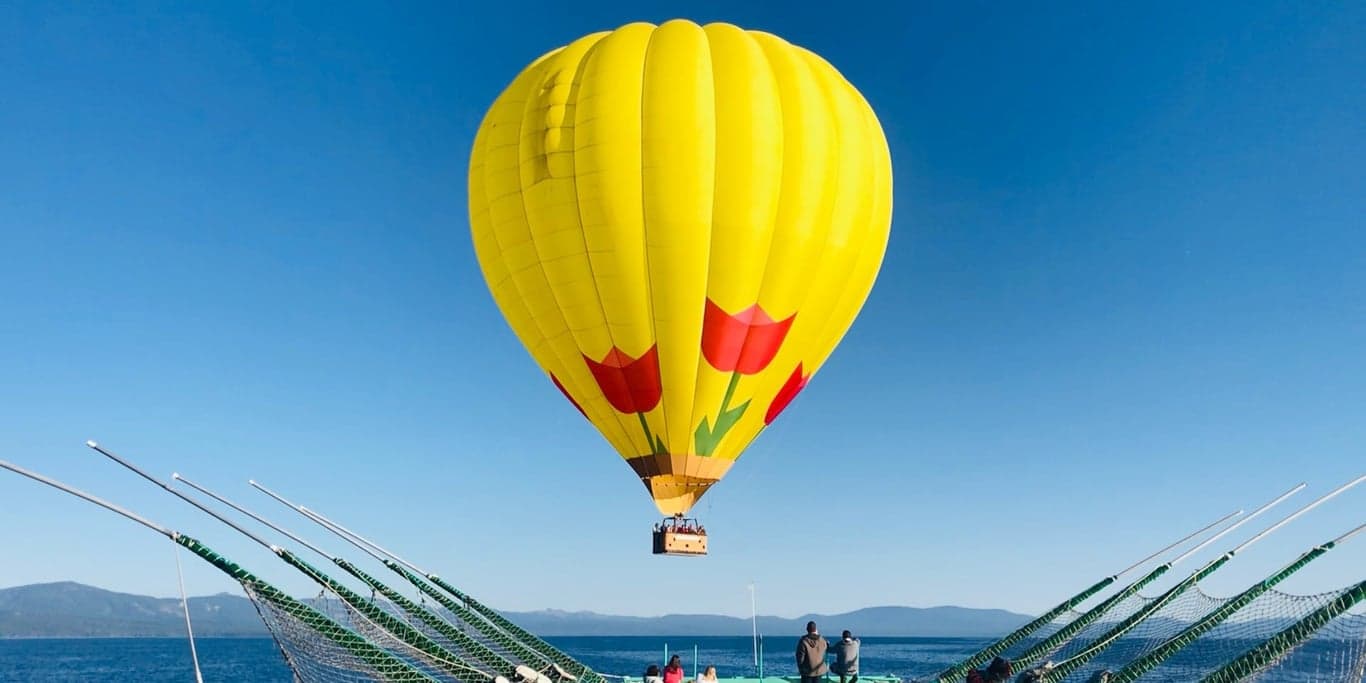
999 670
846 658
652 674
811 655
673 672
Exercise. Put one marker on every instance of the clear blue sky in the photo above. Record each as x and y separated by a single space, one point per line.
1125 293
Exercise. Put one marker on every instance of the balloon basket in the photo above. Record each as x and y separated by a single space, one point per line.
680 536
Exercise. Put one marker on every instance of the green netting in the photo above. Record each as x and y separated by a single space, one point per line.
1164 621
316 659
433 626
1111 636
1029 655
307 636
1336 652
583 673
1216 614
1031 630
1273 656
375 623
508 645
1330 657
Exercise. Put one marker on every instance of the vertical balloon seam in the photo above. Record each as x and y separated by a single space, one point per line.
645 240
764 278
824 77
828 273
531 75
785 189
571 100
688 462
621 232
614 417
829 332
485 207
589 405
832 205
684 483
823 219
876 242
876 227
591 60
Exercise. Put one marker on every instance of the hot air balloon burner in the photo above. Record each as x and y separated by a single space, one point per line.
679 535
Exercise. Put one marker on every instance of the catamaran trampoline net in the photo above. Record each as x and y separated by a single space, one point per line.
1336 653
316 658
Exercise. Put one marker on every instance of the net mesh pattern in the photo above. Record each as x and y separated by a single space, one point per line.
1334 652
1327 643
315 658
1164 623
501 639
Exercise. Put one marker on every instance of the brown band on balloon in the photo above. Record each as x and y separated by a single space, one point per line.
697 468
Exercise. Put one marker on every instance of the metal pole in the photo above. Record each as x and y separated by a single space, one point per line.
249 513
1331 494
1235 525
318 518
89 498
761 660
754 621
1163 551
102 451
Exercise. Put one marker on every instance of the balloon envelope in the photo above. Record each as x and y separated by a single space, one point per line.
680 222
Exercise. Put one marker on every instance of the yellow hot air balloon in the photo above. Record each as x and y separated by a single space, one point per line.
680 222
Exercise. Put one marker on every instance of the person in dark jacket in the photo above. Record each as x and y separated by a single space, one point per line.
811 655
846 658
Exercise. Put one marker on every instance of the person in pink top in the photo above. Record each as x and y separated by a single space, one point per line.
673 673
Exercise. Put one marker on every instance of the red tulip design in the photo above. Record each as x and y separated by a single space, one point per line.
745 342
631 385
741 344
564 391
791 388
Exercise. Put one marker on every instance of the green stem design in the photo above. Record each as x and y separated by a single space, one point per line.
730 391
656 443
708 436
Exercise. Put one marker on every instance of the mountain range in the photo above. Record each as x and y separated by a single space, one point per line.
67 609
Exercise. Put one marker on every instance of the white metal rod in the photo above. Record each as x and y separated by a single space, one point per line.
1343 538
1163 551
1329 496
301 510
321 519
1235 525
336 528
344 536
88 498
249 513
105 452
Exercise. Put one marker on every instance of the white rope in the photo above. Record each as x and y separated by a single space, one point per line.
185 602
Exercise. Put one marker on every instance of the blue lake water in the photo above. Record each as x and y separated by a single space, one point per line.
153 660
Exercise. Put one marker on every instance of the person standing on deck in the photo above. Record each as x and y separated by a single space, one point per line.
811 655
846 658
